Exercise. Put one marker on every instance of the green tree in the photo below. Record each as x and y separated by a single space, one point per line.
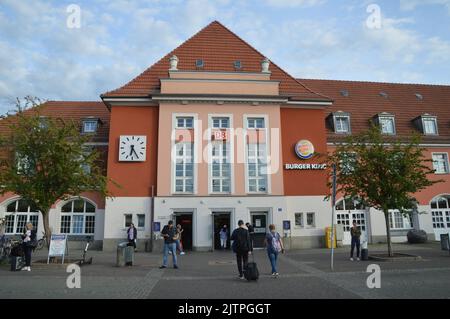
45 159
382 172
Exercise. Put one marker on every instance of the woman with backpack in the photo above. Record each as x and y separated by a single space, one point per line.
29 243
274 246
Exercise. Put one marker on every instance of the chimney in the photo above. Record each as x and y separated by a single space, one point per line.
265 65
173 63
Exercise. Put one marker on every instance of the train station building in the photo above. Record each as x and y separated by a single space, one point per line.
215 132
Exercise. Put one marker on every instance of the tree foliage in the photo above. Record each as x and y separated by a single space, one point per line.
383 173
46 158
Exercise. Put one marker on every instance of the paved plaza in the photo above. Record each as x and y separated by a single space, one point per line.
303 274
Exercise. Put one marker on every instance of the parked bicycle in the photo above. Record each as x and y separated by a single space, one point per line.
41 242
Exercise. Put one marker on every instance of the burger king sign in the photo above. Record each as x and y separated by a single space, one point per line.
304 149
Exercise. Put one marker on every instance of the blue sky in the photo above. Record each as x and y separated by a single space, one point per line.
118 39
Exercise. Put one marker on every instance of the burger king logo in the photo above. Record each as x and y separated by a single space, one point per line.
304 149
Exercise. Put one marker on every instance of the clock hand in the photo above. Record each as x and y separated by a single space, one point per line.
131 149
135 152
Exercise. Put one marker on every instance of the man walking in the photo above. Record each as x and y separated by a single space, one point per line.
241 246
355 232
169 233
251 231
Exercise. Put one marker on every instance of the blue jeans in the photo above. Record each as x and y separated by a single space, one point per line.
172 247
355 242
273 256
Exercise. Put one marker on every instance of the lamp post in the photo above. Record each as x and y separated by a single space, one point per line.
333 204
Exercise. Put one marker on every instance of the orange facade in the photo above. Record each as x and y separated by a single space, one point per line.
301 124
134 179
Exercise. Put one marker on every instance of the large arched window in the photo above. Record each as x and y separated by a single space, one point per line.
18 214
440 212
78 218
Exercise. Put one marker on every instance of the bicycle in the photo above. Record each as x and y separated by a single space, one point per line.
41 242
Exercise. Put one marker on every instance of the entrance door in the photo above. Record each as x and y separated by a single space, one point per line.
185 220
440 216
259 223
350 210
220 219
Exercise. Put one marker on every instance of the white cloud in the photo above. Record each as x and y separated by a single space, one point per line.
293 3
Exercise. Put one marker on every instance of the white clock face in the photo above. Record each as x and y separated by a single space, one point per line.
132 148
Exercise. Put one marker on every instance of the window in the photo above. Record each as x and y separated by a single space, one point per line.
342 124
399 221
237 64
440 163
185 122
128 220
90 126
221 122
18 214
299 219
220 167
310 220
429 126
86 167
78 218
199 63
255 123
440 213
43 122
141 220
184 168
257 168
24 165
387 124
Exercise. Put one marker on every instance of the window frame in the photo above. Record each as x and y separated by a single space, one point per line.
86 121
88 218
446 163
184 119
223 161
301 217
397 219
313 225
335 121
15 216
137 223
428 118
255 156
381 118
184 178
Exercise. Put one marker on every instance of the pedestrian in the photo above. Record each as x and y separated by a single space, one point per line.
355 232
29 243
241 246
169 233
223 234
132 236
274 246
251 231
178 241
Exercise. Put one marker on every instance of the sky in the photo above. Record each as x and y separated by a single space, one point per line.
46 51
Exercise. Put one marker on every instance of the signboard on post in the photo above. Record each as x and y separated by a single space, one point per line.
286 225
58 246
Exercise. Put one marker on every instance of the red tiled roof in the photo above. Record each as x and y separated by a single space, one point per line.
218 47
77 111
364 101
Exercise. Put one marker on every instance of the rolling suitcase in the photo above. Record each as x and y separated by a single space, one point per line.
251 271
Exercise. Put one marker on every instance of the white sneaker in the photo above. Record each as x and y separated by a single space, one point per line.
24 268
351 259
357 259
182 253
29 268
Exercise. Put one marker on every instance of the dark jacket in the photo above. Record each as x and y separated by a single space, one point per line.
134 233
355 232
171 232
241 241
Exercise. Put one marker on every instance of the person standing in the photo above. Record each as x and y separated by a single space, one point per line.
223 234
132 236
274 246
251 231
241 246
29 243
178 242
169 233
355 232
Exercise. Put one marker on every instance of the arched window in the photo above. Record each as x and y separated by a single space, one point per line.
78 218
440 213
18 214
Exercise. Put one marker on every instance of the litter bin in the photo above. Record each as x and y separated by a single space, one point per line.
445 244
125 255
364 251
328 237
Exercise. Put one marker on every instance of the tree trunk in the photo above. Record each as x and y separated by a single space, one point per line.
48 234
388 234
